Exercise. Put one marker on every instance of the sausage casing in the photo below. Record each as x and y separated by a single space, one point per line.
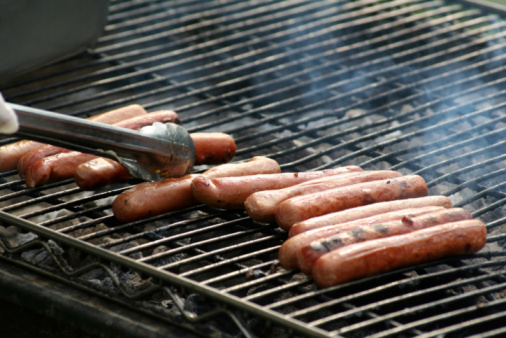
213 148
385 254
367 211
299 208
287 254
154 198
308 254
262 206
231 192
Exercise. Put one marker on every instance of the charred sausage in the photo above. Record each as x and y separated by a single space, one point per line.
288 251
381 255
213 148
55 168
307 255
262 206
231 192
11 153
367 211
136 122
300 208
154 198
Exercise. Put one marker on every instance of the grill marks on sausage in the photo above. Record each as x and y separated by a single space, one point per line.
381 255
300 208
306 256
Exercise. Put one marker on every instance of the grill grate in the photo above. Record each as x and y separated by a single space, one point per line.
414 86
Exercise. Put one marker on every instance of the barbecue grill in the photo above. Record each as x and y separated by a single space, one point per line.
408 85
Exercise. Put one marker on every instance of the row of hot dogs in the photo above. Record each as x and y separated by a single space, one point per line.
39 164
342 223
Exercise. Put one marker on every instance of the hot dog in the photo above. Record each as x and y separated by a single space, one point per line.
300 208
100 172
262 206
231 192
381 255
213 148
136 122
367 211
155 198
288 251
307 255
11 153
55 168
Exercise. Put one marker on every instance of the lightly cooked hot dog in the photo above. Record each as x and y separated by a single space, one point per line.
385 254
231 192
287 254
153 198
299 208
262 205
11 153
100 172
62 165
213 148
367 211
135 123
307 255
210 148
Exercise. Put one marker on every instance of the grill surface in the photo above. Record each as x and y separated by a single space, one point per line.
413 86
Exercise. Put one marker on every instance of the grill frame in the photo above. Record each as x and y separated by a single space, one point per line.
278 320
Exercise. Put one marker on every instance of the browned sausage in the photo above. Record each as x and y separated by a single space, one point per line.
213 148
381 255
299 208
135 123
11 153
367 211
100 172
307 255
154 198
262 206
288 251
55 168
231 192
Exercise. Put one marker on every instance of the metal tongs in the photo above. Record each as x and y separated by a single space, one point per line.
152 153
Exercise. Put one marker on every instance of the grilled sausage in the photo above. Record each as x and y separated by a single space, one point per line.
99 173
287 254
307 255
231 192
213 148
262 206
367 211
55 168
154 198
299 208
385 254
135 123
11 153
256 165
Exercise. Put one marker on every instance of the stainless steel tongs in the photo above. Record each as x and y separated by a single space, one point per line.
154 152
